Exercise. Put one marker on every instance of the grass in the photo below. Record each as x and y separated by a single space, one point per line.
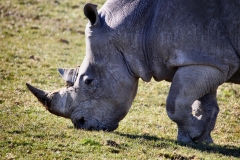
39 36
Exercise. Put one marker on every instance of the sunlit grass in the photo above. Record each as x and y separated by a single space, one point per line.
39 36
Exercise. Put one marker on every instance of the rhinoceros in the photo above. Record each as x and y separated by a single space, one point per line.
195 45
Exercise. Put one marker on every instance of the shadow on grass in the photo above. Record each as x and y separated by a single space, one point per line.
226 150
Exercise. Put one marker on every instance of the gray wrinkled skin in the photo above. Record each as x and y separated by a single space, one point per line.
193 44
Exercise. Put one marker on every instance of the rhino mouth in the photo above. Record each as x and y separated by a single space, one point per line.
92 124
83 123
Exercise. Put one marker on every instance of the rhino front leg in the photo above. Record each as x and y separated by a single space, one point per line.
191 83
206 109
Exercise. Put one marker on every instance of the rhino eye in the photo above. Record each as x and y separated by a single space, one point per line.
88 81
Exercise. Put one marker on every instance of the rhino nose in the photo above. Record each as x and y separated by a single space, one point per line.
79 123
83 124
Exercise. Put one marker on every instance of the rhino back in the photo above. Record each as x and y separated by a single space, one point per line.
194 33
158 36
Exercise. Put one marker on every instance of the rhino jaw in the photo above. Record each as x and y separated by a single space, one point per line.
49 100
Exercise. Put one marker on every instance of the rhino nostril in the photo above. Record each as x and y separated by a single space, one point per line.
81 121
79 124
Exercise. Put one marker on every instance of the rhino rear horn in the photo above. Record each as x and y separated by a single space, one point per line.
69 75
90 11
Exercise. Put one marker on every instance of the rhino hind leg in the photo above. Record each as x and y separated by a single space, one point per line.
190 83
206 109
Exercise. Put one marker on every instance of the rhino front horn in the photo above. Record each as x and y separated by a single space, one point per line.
41 95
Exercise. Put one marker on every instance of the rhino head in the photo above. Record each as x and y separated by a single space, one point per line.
100 92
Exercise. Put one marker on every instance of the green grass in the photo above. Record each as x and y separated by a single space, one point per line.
37 37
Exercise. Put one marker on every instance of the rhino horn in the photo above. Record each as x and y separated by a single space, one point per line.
53 101
40 94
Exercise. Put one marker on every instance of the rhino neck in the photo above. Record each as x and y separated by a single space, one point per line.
128 21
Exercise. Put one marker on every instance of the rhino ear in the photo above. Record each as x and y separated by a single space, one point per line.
90 11
69 75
